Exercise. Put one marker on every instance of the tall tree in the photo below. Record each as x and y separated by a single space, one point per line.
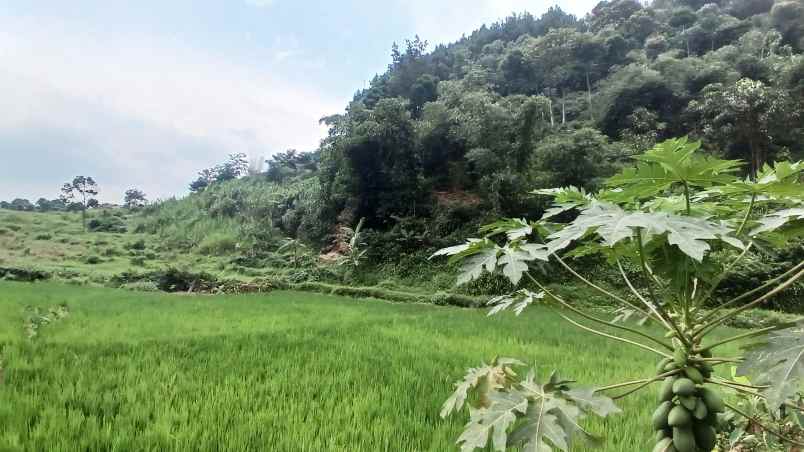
134 198
80 192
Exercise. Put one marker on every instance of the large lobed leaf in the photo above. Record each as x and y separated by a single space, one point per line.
531 415
483 255
779 362
667 164
613 225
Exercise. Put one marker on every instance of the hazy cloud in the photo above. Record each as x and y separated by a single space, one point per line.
149 113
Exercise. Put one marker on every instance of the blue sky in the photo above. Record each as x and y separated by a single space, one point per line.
146 93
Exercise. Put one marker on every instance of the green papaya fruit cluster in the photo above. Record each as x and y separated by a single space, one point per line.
686 419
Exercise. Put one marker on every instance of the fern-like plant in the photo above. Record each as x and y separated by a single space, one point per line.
664 216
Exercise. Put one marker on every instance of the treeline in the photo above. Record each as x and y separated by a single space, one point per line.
41 205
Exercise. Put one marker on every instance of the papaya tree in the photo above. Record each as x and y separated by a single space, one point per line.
665 216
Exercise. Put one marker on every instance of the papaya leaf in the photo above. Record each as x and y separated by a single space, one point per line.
493 421
520 300
513 228
589 400
775 220
779 362
473 378
612 224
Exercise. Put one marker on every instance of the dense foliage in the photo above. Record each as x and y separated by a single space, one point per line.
664 216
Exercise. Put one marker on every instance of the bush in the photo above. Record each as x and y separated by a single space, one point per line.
137 261
4 231
141 286
217 244
14 227
107 223
92 260
138 245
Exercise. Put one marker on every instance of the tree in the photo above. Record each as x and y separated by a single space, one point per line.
80 193
580 158
22 205
134 199
747 110
663 217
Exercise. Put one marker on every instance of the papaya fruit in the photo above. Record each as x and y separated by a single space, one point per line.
671 366
662 364
680 357
666 393
679 417
705 436
684 439
660 415
665 445
700 412
663 433
688 402
694 374
712 399
683 387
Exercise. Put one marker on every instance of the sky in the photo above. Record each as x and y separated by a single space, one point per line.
146 93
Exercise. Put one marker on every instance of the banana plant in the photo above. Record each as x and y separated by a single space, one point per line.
665 216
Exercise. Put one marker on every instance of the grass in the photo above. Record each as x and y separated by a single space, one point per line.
286 371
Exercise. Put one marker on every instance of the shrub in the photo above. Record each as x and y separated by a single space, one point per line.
137 261
5 231
217 244
92 260
107 223
141 286
138 245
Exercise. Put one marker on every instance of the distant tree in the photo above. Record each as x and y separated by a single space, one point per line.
577 158
788 18
205 177
742 115
235 166
134 198
22 205
5 205
80 194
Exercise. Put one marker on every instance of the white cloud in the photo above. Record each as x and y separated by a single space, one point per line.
447 20
153 111
260 3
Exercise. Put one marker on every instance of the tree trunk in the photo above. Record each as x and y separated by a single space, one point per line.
589 97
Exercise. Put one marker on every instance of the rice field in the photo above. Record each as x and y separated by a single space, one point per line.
284 371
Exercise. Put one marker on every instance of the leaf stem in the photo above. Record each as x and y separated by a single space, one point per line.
616 338
741 336
636 382
763 426
747 214
652 380
722 276
593 318
598 288
751 292
706 329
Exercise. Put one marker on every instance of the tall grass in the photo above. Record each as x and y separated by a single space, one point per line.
283 372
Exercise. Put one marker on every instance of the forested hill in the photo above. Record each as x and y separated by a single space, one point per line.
558 100
446 139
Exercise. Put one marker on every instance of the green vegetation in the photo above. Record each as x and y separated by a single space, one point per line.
291 370
663 217
443 142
